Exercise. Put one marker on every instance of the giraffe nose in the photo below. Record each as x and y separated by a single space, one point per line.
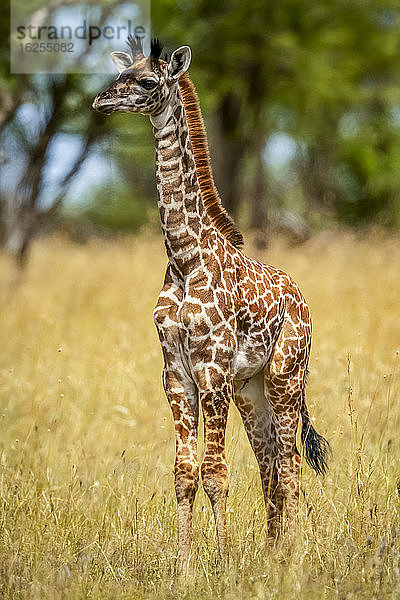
100 102
102 96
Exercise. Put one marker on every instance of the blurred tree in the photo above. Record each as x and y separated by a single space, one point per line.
29 135
325 75
231 68
347 86
306 69
35 111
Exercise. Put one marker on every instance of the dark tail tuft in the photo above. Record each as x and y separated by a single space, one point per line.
317 448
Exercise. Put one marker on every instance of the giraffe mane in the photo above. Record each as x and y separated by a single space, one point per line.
198 137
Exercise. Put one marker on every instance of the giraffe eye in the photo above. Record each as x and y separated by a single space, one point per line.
148 84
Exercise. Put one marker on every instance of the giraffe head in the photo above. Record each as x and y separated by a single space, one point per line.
144 84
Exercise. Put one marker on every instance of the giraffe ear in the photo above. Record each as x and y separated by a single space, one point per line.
179 63
121 60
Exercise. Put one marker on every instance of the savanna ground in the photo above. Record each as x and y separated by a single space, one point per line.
87 444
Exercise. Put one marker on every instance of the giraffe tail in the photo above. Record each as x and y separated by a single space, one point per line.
316 448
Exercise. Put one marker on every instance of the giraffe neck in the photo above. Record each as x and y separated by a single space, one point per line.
184 219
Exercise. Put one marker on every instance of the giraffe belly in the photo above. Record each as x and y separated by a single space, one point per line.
248 360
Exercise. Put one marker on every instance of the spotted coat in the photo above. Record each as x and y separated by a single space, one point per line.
230 327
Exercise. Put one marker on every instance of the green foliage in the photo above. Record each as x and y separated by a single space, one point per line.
116 210
129 199
325 73
306 69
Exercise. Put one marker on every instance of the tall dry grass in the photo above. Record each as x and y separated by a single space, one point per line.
87 447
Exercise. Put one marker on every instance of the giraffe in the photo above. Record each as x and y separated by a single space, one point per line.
231 328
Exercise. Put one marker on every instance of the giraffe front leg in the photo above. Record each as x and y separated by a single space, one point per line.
214 470
183 399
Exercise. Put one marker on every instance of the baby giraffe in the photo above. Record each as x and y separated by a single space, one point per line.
231 328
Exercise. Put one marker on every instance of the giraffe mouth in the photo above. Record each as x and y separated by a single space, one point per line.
103 106
106 110
106 106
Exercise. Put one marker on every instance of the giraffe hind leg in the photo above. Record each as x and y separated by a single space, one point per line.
285 394
258 422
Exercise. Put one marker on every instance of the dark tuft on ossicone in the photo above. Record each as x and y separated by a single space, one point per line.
155 48
136 46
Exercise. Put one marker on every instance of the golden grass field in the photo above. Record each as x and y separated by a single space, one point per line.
87 443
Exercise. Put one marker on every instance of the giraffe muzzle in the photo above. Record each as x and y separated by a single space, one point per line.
105 110
104 103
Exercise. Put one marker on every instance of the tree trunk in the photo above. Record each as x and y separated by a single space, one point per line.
259 217
21 232
227 150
